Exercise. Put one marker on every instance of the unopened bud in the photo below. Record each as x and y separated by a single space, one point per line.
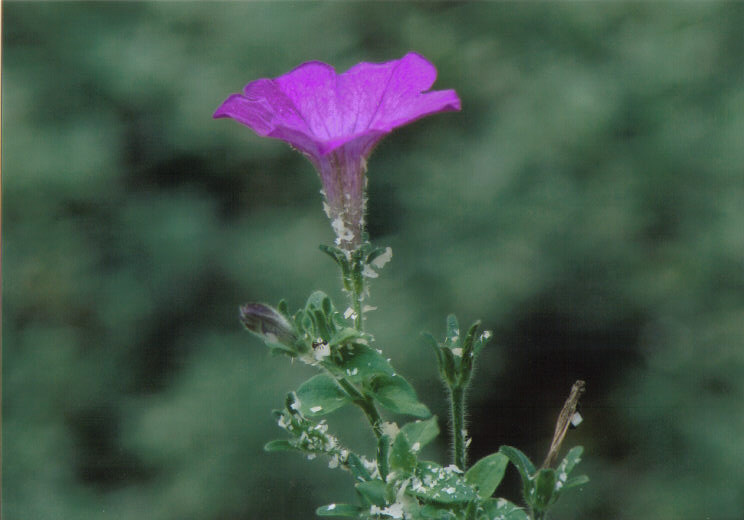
265 321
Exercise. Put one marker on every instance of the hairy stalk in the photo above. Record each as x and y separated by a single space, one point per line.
365 403
382 442
356 305
356 287
457 409
358 283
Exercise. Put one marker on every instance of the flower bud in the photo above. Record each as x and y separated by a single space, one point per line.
265 321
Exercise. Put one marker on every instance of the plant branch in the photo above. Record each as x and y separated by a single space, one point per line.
457 409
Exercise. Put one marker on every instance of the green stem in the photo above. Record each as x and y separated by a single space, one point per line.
457 401
369 409
356 304
382 441
355 284
367 405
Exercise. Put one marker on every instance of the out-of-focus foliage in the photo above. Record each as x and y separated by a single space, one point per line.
587 204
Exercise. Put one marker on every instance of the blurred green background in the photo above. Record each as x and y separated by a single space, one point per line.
587 204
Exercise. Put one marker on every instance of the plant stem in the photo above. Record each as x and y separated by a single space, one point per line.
367 405
382 442
356 305
372 414
457 401
357 284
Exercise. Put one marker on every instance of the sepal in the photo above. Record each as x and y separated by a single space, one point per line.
455 356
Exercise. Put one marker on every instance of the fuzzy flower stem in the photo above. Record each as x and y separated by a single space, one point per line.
367 405
356 304
457 409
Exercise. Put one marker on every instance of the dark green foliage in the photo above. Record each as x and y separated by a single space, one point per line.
397 395
542 487
486 474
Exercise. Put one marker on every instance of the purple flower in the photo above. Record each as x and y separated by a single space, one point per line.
337 119
267 322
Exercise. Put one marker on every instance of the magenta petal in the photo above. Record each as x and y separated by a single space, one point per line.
316 110
337 119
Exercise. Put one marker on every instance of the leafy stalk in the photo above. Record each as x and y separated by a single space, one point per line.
457 409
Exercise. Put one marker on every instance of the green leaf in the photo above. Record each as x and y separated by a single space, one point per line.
443 485
321 395
486 474
344 335
376 492
503 509
523 464
420 432
280 445
437 512
395 394
306 322
327 307
277 349
544 487
467 346
318 300
357 468
335 253
360 362
320 323
572 458
576 481
345 510
450 366
402 459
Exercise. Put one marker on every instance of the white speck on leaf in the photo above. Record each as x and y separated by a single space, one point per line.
390 429
383 259
369 272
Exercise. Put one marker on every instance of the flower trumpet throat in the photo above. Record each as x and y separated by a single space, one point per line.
336 120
